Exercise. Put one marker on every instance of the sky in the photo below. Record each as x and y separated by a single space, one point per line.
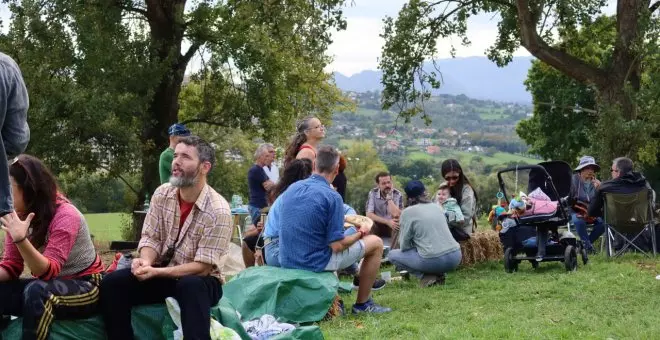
358 47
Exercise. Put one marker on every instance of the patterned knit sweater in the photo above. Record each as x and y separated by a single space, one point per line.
69 248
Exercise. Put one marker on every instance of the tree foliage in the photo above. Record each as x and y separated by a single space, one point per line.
565 123
547 29
363 163
105 77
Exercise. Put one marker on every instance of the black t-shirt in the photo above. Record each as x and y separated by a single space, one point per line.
256 177
340 184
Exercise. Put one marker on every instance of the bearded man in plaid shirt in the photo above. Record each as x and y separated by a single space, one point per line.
186 233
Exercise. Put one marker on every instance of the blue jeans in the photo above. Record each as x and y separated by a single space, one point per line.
581 228
14 130
272 252
255 214
411 261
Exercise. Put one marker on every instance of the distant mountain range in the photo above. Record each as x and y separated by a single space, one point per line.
475 77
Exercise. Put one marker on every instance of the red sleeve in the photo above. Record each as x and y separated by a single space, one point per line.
62 234
12 261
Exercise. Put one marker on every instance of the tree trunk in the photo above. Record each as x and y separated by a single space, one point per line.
166 29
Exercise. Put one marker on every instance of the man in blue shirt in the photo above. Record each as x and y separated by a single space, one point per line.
312 231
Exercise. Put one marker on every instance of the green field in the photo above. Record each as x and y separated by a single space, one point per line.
492 116
497 158
107 227
606 299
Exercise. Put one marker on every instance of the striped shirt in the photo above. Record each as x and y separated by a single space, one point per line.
68 248
205 233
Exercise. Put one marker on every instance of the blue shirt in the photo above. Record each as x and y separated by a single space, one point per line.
256 178
311 218
272 228
348 210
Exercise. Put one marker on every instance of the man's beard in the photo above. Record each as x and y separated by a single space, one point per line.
186 180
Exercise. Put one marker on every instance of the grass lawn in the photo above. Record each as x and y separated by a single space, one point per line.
607 299
107 227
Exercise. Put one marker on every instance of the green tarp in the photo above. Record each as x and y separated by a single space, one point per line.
293 296
150 322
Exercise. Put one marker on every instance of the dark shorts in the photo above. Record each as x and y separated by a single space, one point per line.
254 241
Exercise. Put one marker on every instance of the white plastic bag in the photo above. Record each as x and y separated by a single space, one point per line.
218 331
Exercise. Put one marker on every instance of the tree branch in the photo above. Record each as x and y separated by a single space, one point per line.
137 193
204 121
562 61
183 61
654 7
132 9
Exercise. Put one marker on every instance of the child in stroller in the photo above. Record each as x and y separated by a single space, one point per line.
532 224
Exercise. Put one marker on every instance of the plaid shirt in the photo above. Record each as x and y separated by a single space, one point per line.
378 205
205 234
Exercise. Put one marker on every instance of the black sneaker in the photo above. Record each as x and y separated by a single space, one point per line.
378 284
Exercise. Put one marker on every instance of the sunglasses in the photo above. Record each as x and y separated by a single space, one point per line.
451 178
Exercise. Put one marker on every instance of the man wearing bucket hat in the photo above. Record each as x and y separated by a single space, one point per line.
176 132
583 190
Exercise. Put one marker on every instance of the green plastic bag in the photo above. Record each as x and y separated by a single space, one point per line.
290 295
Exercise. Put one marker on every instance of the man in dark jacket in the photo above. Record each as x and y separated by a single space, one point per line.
14 129
624 181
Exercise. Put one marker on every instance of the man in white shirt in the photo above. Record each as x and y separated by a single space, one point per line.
273 172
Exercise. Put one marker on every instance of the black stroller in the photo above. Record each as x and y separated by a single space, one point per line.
554 179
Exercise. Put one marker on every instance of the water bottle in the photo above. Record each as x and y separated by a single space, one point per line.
234 201
145 206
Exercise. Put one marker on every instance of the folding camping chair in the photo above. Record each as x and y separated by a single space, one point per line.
626 215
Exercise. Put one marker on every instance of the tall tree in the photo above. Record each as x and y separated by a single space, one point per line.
536 26
105 76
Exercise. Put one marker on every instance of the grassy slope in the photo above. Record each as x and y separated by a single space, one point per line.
605 299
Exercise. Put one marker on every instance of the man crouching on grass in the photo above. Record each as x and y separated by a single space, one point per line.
185 233
312 231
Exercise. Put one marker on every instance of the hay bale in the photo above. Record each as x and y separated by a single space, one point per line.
481 247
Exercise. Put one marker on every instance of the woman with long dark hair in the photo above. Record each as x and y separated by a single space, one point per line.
461 189
299 169
309 133
49 235
427 248
340 180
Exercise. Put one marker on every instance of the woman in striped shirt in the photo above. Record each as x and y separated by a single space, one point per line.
49 235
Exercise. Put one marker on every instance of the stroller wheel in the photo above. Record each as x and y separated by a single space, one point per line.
585 256
510 263
534 263
570 258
